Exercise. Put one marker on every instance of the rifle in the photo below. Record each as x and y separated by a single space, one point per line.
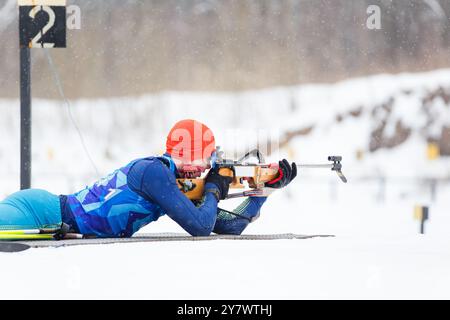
255 174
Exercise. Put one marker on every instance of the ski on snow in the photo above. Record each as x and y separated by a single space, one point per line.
21 245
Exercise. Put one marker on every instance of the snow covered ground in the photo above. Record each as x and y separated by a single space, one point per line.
347 267
377 252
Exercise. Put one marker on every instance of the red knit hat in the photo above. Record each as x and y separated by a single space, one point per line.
190 140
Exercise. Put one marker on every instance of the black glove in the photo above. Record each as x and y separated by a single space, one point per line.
286 173
222 182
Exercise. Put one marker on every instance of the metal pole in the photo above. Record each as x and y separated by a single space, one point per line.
25 118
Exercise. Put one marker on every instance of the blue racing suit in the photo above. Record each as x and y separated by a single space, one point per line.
132 197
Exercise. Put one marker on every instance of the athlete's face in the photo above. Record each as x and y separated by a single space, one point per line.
193 169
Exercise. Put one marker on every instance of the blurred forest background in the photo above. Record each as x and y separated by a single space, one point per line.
133 47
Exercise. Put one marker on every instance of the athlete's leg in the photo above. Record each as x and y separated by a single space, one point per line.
30 209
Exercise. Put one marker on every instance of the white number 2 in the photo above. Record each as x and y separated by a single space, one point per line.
50 23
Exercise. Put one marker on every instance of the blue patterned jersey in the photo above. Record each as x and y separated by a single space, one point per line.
141 192
110 208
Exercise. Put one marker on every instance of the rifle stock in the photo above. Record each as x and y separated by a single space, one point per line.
255 175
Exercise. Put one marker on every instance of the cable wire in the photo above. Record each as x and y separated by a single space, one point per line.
69 108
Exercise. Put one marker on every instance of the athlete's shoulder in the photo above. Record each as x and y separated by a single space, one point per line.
154 162
157 167
150 175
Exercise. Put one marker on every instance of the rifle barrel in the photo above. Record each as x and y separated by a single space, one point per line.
312 166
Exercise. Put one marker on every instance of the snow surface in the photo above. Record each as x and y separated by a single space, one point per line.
377 252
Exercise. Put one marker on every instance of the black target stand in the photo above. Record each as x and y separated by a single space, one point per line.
42 24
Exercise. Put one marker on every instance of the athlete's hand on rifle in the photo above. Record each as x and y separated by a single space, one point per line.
222 182
286 173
